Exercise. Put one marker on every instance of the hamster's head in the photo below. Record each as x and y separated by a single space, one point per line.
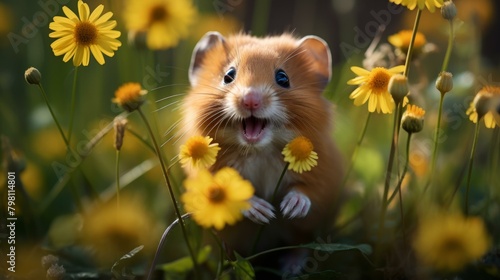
255 92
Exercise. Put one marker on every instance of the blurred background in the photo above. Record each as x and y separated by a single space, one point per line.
349 26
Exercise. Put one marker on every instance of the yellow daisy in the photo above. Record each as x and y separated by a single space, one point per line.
486 100
449 242
164 21
217 200
129 96
373 87
431 5
79 36
299 153
113 231
401 40
412 120
197 152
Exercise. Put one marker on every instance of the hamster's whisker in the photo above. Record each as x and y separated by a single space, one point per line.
166 106
292 54
166 86
203 122
232 117
172 127
169 97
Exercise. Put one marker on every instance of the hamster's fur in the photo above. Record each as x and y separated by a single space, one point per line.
252 96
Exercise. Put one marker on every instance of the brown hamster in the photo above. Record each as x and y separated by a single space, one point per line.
252 96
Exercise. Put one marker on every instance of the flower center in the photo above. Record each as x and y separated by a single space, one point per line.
216 194
379 80
128 92
452 246
198 149
301 148
85 33
157 13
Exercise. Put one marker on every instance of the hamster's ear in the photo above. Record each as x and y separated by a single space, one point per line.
209 40
319 52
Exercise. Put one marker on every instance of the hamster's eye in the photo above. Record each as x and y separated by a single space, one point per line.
229 76
282 78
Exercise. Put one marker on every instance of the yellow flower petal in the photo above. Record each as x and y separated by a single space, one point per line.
83 11
448 242
165 22
360 71
88 34
96 52
198 152
96 13
373 88
69 14
217 200
300 155
357 80
397 69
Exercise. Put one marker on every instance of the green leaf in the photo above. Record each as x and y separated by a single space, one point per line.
119 270
365 249
185 264
243 268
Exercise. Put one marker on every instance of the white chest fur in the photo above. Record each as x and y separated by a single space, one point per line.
263 170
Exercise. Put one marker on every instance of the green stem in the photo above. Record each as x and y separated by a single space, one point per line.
412 42
279 181
270 251
260 17
405 170
259 233
44 95
398 188
170 190
118 179
73 104
471 161
162 242
68 170
356 149
74 191
493 169
448 49
436 142
388 174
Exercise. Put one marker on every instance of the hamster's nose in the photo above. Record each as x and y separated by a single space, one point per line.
252 100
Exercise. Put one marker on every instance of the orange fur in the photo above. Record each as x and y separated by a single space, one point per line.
299 110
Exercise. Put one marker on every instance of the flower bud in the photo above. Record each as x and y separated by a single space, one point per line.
33 76
398 87
119 124
413 119
138 39
496 114
448 10
444 82
482 103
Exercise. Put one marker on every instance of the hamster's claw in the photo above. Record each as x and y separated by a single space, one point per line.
261 211
295 205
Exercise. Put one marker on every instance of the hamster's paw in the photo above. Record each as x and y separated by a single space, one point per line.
295 205
261 211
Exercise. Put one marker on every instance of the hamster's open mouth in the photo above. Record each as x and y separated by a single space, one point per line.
253 128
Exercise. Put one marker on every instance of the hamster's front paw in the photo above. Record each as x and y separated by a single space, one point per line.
295 205
260 212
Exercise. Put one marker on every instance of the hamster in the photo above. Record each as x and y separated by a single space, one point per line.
252 96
